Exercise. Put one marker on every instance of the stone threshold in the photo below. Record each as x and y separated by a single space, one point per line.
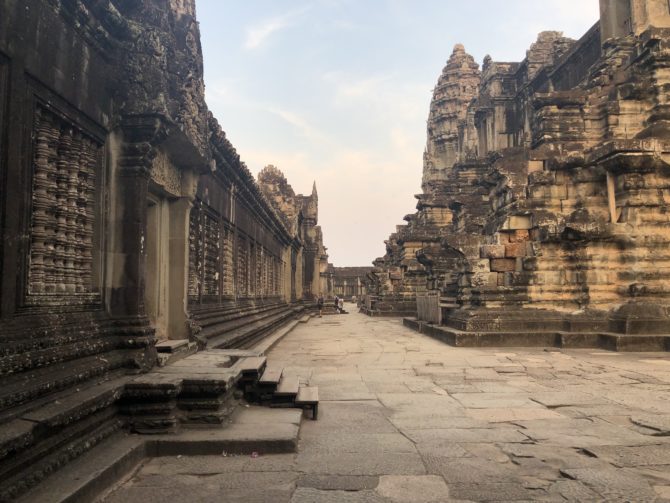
568 340
253 429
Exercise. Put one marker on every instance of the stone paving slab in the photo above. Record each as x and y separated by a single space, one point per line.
630 456
406 418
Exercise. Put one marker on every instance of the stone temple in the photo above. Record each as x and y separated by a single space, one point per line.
145 271
544 212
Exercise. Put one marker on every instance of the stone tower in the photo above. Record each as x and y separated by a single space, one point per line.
457 86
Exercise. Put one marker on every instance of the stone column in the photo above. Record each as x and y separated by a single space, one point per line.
128 250
127 289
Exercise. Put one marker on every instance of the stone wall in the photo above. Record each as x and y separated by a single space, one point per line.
547 192
126 216
300 214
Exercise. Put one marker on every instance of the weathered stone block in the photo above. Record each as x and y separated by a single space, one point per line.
484 279
513 250
518 222
503 264
529 263
492 251
480 266
518 236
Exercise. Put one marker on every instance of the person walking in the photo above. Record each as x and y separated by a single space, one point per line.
337 304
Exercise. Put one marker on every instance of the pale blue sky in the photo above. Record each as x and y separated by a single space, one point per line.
338 91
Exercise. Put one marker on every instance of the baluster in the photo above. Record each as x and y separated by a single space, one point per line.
64 146
40 204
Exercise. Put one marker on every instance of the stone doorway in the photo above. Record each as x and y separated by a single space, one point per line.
157 276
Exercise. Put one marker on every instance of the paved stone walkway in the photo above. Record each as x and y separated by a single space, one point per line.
404 418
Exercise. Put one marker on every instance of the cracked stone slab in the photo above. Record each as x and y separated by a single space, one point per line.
582 432
371 443
311 495
657 422
624 456
413 489
559 457
360 463
406 422
502 415
463 435
494 400
338 482
495 491
572 490
566 399
612 484
472 470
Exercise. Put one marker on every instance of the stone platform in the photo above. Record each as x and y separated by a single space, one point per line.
558 339
406 418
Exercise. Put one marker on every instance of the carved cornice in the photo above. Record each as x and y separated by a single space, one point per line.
141 135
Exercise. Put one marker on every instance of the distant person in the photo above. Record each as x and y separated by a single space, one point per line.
337 304
319 303
340 305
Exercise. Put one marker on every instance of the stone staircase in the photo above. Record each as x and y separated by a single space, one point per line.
188 407
240 327
275 389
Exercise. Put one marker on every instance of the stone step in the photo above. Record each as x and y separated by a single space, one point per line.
288 387
270 434
307 395
57 412
308 399
268 342
89 475
252 429
246 332
270 377
251 367
172 345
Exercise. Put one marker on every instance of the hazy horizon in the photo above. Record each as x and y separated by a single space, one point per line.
338 91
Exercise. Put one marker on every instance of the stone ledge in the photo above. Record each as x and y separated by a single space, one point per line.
601 340
255 429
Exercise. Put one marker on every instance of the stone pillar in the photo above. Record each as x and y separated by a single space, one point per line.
129 258
316 278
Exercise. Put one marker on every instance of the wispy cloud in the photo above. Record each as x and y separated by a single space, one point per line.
257 35
304 127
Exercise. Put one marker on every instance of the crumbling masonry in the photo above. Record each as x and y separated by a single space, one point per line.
544 215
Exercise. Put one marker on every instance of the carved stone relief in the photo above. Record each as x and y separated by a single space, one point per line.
165 174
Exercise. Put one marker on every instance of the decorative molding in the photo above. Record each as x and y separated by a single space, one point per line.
165 174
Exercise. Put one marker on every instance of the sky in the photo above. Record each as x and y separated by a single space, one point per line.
338 91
